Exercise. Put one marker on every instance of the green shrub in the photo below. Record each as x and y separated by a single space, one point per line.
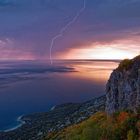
125 64
131 135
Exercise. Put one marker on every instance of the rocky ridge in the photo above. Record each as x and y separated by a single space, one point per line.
123 87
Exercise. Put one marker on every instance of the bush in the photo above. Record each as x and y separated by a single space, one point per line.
125 64
131 135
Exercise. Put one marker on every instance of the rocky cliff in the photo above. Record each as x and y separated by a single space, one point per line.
123 87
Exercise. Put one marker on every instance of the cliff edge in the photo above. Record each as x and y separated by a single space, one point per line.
123 87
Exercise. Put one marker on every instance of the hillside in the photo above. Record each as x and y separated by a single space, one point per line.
120 126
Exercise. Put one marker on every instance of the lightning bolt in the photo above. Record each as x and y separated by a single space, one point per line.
61 33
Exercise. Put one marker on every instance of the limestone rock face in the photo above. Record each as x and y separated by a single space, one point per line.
123 87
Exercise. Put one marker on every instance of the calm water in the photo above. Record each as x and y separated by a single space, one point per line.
28 87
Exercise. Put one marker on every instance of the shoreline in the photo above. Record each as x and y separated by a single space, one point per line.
21 122
61 116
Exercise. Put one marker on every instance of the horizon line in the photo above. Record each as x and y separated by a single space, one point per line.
64 60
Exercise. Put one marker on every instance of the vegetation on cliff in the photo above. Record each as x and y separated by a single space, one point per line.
120 126
128 63
125 64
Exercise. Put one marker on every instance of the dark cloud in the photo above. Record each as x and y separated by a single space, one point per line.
33 23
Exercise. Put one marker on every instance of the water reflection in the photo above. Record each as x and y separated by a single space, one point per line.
28 87
96 71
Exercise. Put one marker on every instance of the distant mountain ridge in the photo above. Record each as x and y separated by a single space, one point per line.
123 87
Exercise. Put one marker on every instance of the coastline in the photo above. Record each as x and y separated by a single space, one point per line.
52 109
21 122
59 117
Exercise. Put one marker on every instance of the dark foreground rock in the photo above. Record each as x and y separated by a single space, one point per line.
40 124
123 88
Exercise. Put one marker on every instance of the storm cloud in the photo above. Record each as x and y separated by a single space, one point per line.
31 24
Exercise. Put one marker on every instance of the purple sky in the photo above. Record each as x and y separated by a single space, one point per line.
28 26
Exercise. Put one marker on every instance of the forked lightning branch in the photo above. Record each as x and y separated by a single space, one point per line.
62 31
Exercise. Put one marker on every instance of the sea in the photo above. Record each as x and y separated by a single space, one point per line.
28 87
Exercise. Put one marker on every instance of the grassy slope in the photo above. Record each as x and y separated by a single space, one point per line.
120 126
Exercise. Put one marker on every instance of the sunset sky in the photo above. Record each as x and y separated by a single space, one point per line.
105 29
